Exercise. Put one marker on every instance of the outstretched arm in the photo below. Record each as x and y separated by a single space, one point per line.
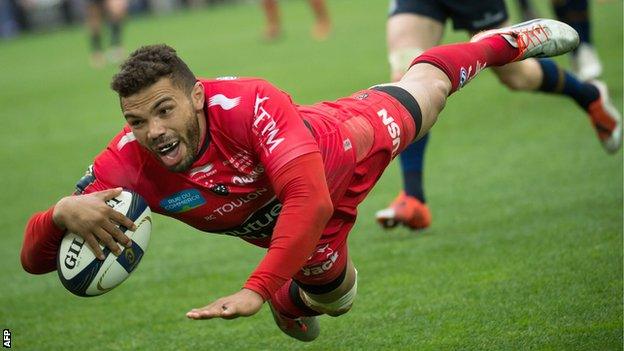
301 187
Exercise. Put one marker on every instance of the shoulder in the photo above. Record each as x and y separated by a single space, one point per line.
245 83
124 145
122 159
229 92
231 103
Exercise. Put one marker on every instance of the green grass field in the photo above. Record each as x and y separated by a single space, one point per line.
525 251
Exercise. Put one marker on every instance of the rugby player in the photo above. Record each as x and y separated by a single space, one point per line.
236 156
417 25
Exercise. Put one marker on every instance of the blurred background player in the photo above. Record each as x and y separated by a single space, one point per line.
584 59
273 30
416 25
114 11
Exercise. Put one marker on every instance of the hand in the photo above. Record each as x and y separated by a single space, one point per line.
91 218
241 304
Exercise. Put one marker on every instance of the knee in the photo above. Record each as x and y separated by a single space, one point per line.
400 60
334 308
335 303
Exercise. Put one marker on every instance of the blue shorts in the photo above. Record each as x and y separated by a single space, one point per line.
471 15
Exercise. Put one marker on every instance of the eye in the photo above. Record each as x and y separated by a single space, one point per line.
136 123
165 111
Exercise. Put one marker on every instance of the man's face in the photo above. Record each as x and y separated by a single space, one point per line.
167 121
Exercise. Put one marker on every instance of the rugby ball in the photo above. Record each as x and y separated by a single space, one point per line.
85 275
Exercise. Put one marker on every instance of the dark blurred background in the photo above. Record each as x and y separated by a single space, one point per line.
22 16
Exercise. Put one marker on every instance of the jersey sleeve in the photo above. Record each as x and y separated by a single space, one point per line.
279 134
302 189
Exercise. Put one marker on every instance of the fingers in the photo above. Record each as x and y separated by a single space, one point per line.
122 220
114 215
214 310
107 240
95 246
117 234
108 193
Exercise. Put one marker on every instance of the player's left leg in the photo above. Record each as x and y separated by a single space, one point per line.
440 71
546 76
295 306
327 284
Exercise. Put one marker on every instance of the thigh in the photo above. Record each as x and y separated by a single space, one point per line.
433 9
330 257
415 24
408 30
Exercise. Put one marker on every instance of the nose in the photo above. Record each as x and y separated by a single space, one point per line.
156 129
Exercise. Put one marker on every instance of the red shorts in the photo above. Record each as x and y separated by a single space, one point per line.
378 127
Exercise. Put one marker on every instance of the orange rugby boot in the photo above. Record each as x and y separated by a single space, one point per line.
606 119
406 210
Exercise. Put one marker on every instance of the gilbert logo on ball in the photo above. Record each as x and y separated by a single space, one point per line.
85 275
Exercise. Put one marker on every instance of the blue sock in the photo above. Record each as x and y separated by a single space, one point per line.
576 14
558 81
412 162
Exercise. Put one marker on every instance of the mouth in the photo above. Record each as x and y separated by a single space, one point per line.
170 153
168 148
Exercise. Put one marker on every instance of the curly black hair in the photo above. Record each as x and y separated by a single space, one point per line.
147 65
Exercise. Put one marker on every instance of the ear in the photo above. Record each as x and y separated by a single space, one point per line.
197 96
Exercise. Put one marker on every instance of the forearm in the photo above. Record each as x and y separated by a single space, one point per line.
306 209
42 239
295 237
